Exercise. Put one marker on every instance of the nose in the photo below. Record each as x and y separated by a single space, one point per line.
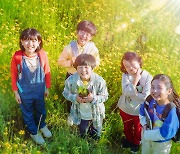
30 42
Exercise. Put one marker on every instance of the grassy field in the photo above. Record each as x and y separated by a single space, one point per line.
149 27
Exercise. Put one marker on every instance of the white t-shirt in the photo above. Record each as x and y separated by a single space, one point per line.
86 111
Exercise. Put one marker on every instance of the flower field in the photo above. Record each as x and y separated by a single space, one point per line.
149 27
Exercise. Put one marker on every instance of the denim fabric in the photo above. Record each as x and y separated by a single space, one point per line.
32 97
86 128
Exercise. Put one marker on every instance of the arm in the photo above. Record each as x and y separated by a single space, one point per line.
67 93
146 88
167 130
101 93
14 73
142 117
46 72
127 87
95 53
66 58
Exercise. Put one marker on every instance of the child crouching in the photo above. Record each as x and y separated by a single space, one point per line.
87 91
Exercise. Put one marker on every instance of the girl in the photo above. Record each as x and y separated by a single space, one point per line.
158 140
135 89
30 75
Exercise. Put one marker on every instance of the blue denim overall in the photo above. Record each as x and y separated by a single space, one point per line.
32 85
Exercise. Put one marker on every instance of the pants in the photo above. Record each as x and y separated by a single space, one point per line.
86 127
132 127
34 115
150 147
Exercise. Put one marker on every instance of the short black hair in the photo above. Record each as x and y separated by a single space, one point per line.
85 60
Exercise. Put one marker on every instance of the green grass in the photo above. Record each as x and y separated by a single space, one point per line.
137 25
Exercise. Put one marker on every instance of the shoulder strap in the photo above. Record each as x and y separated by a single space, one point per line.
74 48
166 110
147 101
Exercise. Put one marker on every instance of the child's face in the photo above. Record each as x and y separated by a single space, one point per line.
84 72
83 37
30 45
131 66
159 91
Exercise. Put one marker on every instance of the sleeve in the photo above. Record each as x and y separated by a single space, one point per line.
166 131
47 71
67 92
95 53
65 57
142 117
170 125
14 73
127 87
146 88
101 93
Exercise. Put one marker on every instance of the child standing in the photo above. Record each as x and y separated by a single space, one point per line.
135 89
158 140
87 91
30 76
85 31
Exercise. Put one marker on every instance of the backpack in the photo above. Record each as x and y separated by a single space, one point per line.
166 110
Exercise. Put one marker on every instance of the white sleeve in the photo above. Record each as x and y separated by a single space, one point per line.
142 120
153 135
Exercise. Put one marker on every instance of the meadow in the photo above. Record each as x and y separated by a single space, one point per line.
149 27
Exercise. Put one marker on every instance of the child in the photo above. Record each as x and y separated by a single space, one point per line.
135 88
85 31
30 75
158 140
87 110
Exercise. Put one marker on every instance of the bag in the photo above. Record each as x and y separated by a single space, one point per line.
165 113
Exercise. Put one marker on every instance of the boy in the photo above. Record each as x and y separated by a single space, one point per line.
85 31
87 109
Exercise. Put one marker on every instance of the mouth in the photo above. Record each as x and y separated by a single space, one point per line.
155 96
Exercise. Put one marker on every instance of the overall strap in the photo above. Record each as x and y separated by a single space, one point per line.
74 48
166 110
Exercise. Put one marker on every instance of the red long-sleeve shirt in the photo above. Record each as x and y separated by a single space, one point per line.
17 59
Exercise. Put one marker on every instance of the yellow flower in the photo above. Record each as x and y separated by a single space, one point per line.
5 133
55 97
21 132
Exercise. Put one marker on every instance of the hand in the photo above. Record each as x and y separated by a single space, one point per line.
137 77
73 60
46 92
89 98
79 99
17 97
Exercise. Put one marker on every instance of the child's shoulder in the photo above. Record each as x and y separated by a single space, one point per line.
19 52
97 77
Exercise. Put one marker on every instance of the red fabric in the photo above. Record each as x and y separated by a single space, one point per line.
17 59
132 127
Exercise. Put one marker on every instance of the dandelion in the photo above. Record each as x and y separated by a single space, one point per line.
55 97
21 132
5 133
